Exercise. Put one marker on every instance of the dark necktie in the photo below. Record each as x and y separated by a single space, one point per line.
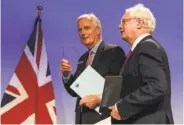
128 55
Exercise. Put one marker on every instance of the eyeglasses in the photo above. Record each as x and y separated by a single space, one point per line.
126 20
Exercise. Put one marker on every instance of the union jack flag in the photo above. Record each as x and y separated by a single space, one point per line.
29 97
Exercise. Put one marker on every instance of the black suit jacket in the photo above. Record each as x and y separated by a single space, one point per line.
146 87
108 60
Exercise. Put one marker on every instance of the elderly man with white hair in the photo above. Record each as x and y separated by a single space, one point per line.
146 85
106 59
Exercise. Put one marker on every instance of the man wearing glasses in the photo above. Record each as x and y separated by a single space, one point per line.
146 85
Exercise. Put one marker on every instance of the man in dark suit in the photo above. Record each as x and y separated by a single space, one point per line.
104 58
146 85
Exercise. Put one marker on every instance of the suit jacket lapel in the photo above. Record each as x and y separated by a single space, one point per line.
82 63
125 63
128 59
98 54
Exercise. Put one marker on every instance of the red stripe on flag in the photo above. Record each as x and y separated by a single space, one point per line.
42 111
27 76
46 89
13 90
39 48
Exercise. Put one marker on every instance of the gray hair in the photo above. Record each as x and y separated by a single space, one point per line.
95 19
140 11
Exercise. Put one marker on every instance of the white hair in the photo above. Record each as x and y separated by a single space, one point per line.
95 20
140 11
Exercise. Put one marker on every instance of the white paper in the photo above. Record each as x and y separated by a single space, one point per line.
106 121
89 83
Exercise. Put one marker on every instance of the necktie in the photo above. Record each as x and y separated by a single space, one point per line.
129 53
89 61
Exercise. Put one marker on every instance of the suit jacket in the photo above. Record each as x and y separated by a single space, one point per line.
146 87
108 60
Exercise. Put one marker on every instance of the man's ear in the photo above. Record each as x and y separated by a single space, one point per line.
140 23
98 30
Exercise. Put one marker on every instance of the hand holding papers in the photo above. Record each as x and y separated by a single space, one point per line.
88 83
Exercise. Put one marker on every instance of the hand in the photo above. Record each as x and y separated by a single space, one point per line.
114 113
90 101
65 66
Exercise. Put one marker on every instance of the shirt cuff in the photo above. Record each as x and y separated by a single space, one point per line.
100 97
116 108
66 76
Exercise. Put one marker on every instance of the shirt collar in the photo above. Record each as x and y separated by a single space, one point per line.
138 40
95 48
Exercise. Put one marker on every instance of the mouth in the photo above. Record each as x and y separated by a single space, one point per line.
84 37
121 31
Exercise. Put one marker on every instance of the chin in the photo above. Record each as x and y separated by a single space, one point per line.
86 43
123 38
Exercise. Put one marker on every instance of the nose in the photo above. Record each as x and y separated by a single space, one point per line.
120 26
82 35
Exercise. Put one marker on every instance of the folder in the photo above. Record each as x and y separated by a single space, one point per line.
111 92
89 82
106 121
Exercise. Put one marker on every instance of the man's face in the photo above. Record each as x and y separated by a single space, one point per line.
128 26
88 32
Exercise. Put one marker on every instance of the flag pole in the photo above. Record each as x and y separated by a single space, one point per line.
40 8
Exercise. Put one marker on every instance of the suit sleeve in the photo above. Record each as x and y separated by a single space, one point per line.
68 83
119 58
154 83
